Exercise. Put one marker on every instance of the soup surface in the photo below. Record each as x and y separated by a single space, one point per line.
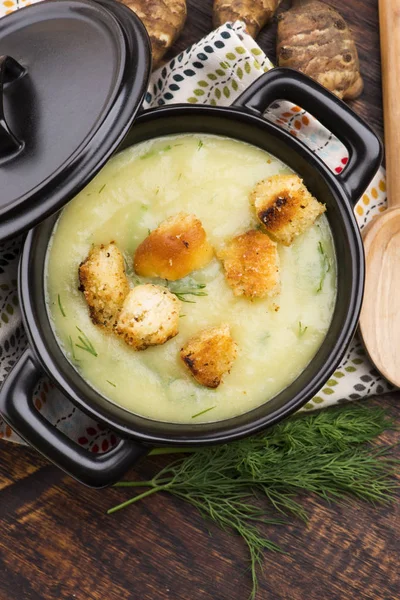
210 177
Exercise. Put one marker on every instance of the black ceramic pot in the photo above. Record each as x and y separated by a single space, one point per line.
243 121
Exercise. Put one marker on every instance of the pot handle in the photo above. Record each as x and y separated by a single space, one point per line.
363 145
10 70
18 410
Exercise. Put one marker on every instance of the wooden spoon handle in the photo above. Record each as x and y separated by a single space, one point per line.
389 19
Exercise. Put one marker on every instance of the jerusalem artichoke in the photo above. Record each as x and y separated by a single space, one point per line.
315 39
163 19
255 13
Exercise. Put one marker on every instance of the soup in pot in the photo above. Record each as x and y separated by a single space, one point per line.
192 280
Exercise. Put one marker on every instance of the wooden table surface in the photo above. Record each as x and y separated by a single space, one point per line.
57 543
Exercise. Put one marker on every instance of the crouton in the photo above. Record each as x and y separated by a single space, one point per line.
176 248
104 283
251 264
285 207
209 355
149 316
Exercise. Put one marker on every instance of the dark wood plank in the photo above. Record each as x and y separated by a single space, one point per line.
57 543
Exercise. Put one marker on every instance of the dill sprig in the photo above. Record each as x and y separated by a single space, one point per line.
325 266
203 412
195 290
60 306
86 344
244 484
154 152
72 349
302 329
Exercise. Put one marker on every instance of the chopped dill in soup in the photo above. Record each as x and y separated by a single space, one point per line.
192 280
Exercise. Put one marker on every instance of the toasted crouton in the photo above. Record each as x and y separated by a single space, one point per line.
104 283
149 316
176 248
285 207
209 355
251 264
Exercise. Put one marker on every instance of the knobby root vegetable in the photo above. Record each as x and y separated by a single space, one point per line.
315 39
255 13
163 19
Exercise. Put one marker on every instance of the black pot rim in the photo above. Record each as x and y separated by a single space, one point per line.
200 434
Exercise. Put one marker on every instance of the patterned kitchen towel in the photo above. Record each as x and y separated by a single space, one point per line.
213 71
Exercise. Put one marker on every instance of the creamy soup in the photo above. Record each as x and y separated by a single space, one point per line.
210 177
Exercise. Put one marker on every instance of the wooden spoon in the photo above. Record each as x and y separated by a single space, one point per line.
380 316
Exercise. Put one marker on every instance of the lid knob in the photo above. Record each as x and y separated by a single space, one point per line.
10 145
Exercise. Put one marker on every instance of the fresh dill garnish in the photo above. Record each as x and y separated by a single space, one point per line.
181 316
203 412
182 298
86 343
157 190
148 154
200 145
61 306
144 207
128 267
195 290
265 336
102 188
244 484
148 231
72 349
325 266
180 176
111 383
154 152
302 329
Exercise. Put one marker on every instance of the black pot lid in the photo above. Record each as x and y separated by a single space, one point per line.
73 74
